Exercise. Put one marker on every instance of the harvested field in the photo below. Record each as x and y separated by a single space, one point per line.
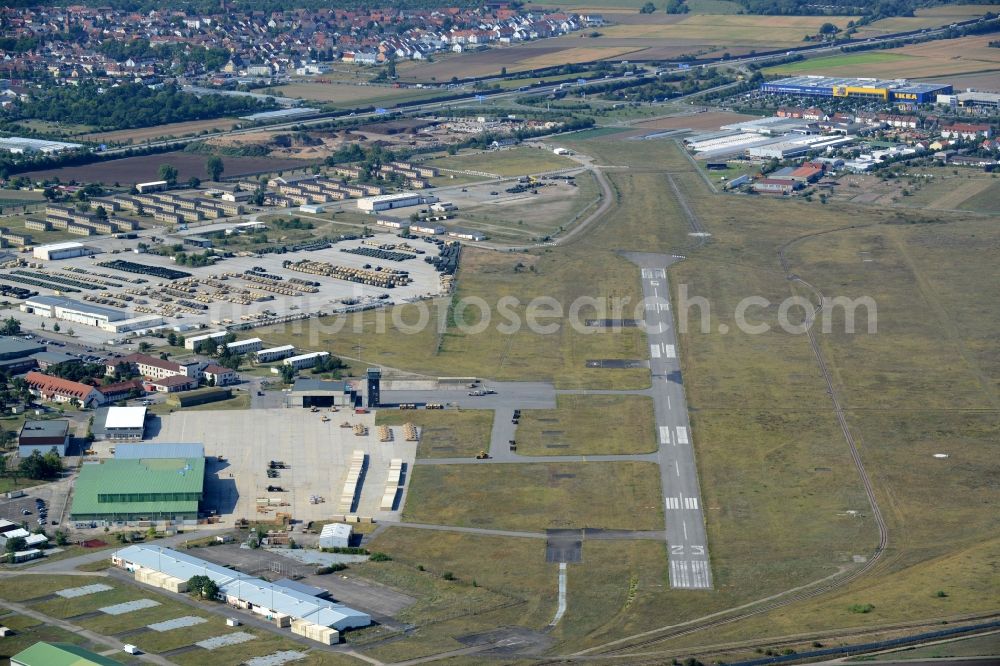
579 54
938 58
982 81
930 17
728 30
480 63
141 134
345 94
515 59
144 168
698 121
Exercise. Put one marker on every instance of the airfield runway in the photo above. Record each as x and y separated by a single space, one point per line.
685 520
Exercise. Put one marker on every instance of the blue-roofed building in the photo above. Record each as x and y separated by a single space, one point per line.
306 614
158 450
892 91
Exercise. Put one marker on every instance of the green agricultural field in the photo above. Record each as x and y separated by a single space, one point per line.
514 162
444 433
838 63
537 496
588 425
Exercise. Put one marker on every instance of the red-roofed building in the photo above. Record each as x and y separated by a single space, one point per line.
967 131
121 390
807 173
56 389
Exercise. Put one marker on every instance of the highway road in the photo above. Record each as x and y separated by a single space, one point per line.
474 96
683 507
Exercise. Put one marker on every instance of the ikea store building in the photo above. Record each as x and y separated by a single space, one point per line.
894 91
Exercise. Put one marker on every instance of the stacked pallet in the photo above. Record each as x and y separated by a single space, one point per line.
392 484
360 429
384 433
410 432
353 482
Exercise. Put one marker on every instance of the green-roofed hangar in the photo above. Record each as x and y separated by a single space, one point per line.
60 654
139 489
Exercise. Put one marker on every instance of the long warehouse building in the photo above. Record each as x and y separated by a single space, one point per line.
307 615
897 90
106 319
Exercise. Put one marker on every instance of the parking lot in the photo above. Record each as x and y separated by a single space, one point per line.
52 494
317 454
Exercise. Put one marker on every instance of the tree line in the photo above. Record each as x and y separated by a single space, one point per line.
130 105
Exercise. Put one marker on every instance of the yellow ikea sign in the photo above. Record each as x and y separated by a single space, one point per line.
905 96
847 91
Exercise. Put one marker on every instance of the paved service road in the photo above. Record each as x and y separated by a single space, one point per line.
685 520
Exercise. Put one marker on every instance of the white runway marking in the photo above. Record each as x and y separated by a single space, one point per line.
669 351
685 526
677 468
561 608
679 574
682 435
690 502
668 401
673 503
699 570
654 351
664 306
664 434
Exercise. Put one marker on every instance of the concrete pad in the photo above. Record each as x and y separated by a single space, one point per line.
129 607
73 592
317 453
225 640
177 623
276 659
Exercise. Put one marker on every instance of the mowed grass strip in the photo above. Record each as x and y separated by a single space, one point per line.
514 162
444 433
162 641
64 608
23 588
232 655
536 496
167 610
588 425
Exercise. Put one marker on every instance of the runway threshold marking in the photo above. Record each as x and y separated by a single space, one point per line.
682 435
654 351
669 351
664 434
